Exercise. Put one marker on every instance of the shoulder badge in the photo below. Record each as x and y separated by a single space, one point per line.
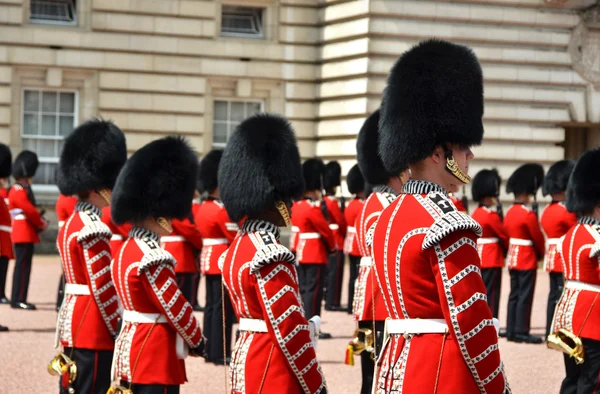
153 255
18 187
268 251
92 227
595 231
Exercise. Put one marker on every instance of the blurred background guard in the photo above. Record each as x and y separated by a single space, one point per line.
556 220
577 319
526 247
493 244
315 239
259 175
356 186
217 232
90 161
28 222
65 205
120 232
196 204
6 248
332 179
159 327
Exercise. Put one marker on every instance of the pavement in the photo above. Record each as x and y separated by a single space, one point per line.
28 346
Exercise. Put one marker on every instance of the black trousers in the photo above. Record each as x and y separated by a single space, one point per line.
556 288
24 257
3 271
492 278
93 371
520 301
311 278
335 278
584 378
354 265
60 294
185 281
196 288
151 388
213 320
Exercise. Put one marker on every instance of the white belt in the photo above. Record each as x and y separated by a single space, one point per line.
214 241
61 223
254 325
73 288
486 241
20 217
172 238
334 226
351 230
139 317
116 237
6 229
521 242
295 229
553 241
309 236
416 326
577 285
366 262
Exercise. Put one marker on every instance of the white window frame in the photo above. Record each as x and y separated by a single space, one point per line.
259 36
45 159
228 122
55 22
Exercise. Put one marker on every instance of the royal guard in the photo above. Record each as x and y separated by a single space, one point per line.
196 204
332 178
493 244
356 186
28 222
526 247
369 311
120 232
315 239
259 176
6 248
440 335
556 220
159 329
294 230
65 205
87 321
217 231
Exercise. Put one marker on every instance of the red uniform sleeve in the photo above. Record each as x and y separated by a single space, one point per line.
462 293
318 220
228 228
570 220
19 199
498 228
161 286
189 231
535 231
338 216
280 301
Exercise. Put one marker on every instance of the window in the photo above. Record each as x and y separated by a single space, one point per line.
229 114
242 22
48 117
53 11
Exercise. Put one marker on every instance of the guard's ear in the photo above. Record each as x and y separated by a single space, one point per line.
438 155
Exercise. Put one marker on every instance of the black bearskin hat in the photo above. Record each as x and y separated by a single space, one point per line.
526 179
485 184
5 161
92 156
333 175
209 169
557 178
260 166
25 165
312 171
198 181
434 96
157 181
355 180
583 191
367 154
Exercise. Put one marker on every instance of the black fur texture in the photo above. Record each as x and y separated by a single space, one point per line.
557 178
485 184
434 97
209 169
312 172
25 165
157 181
260 166
355 180
5 161
333 176
367 152
583 191
92 156
526 179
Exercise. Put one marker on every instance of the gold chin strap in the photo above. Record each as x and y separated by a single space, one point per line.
164 224
284 212
105 195
455 170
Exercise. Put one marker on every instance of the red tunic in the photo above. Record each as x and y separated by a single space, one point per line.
119 231
65 205
217 232
6 248
555 221
526 244
494 240
457 203
580 250
87 321
427 266
315 238
144 275
26 220
3 192
350 214
366 294
182 244
337 222
261 279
